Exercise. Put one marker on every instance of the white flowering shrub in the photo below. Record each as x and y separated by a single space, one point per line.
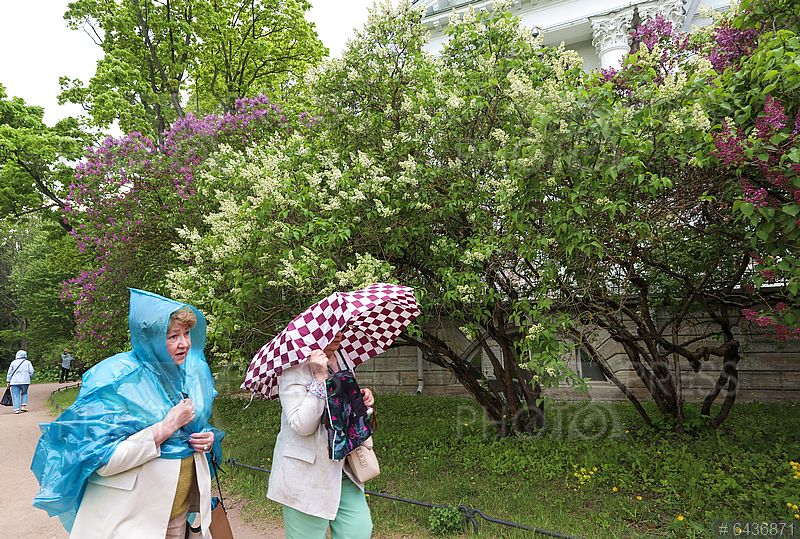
523 198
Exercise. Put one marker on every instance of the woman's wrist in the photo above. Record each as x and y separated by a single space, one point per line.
163 430
316 387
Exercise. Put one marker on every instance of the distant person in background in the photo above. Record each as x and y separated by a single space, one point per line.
66 365
18 379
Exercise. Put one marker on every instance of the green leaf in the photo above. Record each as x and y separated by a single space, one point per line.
791 209
746 208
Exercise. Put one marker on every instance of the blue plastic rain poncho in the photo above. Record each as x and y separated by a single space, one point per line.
120 396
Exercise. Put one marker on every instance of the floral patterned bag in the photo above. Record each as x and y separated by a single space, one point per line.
347 419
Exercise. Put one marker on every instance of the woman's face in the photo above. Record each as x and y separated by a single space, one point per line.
178 342
333 346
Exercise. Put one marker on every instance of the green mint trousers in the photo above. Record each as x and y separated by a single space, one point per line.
353 520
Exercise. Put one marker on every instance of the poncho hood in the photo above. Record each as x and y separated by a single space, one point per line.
21 354
148 322
119 397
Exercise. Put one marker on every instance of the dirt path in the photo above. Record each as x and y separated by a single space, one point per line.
18 436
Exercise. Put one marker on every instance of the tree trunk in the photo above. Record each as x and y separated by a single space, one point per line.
647 377
437 352
728 376
527 416
616 381
676 366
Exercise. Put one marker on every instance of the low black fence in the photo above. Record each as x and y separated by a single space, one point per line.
62 388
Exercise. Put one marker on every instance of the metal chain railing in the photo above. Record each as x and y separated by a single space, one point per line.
78 384
470 513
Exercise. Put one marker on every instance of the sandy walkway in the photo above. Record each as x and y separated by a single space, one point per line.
18 436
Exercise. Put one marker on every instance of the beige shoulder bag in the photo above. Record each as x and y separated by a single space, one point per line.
363 462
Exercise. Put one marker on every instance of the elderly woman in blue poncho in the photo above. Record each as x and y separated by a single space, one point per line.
131 457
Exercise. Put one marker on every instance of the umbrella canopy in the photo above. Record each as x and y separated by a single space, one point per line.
370 320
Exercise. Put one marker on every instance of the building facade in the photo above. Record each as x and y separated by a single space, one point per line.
769 370
597 29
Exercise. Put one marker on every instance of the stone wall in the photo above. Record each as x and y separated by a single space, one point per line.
395 371
768 371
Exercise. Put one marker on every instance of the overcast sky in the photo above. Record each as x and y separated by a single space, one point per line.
36 47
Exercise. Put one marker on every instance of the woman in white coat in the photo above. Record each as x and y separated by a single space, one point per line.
130 458
18 379
315 491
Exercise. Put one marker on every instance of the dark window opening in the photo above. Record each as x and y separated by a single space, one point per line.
589 368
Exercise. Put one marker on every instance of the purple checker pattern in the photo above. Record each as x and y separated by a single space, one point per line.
370 320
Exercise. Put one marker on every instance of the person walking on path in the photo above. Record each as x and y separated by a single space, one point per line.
18 379
328 495
306 366
66 365
17 444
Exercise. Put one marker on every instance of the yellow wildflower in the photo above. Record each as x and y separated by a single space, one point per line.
795 468
680 518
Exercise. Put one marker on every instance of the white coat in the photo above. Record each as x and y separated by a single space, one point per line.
132 495
303 475
20 370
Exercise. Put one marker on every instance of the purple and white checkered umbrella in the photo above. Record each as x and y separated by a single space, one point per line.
370 320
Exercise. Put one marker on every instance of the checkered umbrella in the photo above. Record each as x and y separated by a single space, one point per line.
370 320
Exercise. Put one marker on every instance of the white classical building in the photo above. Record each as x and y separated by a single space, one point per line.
597 29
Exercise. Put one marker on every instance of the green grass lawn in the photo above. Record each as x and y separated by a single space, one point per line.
596 473
60 400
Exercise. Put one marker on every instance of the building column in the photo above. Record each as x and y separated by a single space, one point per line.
611 36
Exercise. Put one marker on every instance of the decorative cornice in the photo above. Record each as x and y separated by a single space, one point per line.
433 8
672 10
611 31
606 22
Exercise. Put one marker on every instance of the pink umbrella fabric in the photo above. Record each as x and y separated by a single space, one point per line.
370 320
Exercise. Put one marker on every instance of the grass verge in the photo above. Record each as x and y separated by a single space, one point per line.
596 473
60 401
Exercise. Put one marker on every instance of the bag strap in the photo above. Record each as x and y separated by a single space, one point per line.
217 469
348 363
15 370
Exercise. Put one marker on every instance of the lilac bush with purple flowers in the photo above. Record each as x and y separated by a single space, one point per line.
731 45
129 196
757 95
744 75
